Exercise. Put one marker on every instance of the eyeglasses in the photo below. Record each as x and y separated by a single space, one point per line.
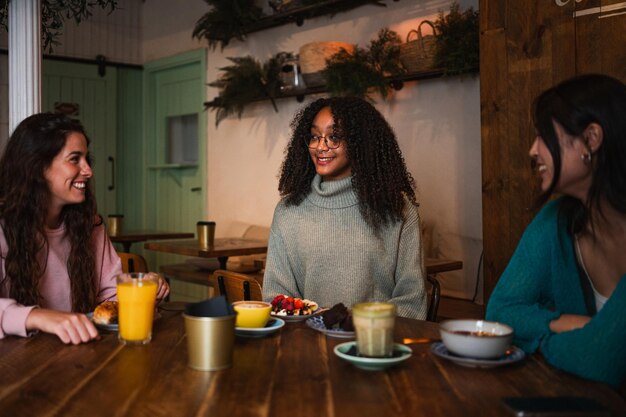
332 141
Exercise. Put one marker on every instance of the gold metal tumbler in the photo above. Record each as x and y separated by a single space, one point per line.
210 342
114 225
206 234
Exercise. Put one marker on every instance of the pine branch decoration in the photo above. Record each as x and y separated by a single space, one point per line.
457 41
226 20
366 68
246 81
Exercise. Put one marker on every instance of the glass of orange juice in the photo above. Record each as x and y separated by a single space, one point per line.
136 295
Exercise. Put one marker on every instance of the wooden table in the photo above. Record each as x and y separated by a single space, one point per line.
196 275
436 265
291 373
433 265
222 249
130 237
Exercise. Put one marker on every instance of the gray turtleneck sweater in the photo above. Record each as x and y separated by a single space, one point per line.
323 250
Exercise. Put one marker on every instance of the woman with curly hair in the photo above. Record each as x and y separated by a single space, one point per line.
564 289
347 228
56 261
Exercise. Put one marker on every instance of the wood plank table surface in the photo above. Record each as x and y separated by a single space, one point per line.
196 275
127 238
293 372
433 265
436 265
222 249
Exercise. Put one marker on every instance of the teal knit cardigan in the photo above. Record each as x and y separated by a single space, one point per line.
540 283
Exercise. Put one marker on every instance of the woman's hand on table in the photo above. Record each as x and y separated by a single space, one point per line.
568 322
163 289
74 328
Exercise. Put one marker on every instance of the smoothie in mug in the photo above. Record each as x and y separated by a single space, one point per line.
136 295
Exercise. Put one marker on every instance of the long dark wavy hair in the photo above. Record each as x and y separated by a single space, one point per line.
379 175
574 104
24 201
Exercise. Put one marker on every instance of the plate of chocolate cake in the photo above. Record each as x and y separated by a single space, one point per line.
334 322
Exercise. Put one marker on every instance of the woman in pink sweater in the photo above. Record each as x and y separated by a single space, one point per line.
56 260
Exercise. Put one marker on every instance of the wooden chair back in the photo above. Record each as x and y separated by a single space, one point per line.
236 286
131 262
433 298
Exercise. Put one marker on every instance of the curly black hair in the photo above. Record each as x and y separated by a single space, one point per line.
379 174
24 202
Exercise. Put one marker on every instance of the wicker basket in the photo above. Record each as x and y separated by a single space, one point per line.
419 54
313 58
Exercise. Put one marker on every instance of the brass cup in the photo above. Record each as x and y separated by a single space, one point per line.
114 224
206 234
210 342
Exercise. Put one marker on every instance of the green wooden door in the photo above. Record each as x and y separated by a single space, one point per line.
78 86
174 88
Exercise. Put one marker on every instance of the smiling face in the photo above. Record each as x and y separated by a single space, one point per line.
575 176
330 164
67 175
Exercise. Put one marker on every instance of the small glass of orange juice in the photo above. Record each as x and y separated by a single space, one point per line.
136 295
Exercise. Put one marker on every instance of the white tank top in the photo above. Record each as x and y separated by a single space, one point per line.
599 298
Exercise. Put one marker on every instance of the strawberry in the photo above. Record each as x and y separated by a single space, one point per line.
276 302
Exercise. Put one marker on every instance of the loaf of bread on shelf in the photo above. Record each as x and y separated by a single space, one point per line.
106 313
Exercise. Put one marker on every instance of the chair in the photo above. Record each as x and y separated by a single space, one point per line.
131 262
238 287
433 300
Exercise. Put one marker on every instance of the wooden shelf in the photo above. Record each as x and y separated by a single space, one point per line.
397 82
298 15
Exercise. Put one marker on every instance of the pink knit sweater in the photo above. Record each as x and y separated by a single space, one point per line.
55 283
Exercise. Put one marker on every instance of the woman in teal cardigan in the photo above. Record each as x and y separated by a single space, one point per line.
564 290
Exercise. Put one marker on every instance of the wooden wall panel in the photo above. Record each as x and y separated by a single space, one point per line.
494 115
601 38
526 47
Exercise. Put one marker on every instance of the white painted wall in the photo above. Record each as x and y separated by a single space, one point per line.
116 35
168 25
437 123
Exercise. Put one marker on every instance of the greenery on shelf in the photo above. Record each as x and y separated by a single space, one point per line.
55 12
232 19
226 20
245 81
365 69
457 41
248 80
322 7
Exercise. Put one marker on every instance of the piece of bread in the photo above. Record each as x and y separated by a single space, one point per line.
106 313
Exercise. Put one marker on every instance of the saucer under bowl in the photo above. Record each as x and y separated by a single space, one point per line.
512 355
